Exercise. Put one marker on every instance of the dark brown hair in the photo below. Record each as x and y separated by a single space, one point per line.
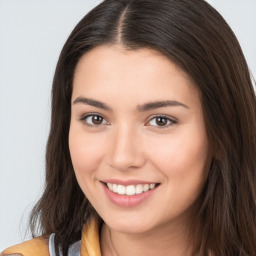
195 36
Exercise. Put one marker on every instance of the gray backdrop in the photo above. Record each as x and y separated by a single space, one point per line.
32 33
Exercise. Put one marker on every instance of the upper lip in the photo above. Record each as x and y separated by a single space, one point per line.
128 182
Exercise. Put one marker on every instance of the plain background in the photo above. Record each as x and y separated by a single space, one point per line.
32 33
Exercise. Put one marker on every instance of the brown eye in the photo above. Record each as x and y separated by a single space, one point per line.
97 119
94 120
161 121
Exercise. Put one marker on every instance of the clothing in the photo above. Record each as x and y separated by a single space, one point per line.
73 250
89 244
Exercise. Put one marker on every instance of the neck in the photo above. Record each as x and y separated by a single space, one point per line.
166 240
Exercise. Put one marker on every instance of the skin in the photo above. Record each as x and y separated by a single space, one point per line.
129 144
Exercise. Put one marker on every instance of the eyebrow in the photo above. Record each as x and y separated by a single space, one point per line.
160 104
93 103
140 108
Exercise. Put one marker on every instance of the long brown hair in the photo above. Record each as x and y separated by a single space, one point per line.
195 36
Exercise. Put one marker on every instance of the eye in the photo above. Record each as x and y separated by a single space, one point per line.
94 120
161 121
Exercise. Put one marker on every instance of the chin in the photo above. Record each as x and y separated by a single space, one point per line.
129 224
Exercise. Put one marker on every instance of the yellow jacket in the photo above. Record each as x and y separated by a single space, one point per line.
90 245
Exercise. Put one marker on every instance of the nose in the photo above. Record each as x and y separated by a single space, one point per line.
126 149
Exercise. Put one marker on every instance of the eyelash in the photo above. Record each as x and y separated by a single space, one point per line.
85 117
170 121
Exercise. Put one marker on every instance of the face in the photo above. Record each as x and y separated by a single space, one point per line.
137 138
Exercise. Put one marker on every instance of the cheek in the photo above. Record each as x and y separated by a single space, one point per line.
182 163
86 153
181 158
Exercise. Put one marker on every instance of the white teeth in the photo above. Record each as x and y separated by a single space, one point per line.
130 190
151 186
145 187
120 189
110 186
139 189
115 188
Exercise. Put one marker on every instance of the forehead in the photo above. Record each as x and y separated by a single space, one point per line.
138 74
105 55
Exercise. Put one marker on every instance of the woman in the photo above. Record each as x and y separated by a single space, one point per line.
152 143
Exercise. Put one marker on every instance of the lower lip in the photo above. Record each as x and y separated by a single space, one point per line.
127 201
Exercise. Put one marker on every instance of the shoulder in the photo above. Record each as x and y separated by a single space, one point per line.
37 246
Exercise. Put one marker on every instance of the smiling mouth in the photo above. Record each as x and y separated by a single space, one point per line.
130 190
